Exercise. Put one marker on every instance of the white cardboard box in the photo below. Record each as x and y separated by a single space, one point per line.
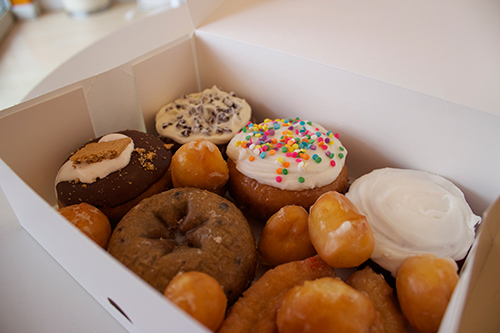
425 99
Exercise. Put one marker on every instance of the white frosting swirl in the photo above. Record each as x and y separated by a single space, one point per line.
89 172
289 154
411 213
212 114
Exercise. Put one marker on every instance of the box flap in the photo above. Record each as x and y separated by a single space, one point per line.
118 289
446 49
122 46
27 135
482 308
475 297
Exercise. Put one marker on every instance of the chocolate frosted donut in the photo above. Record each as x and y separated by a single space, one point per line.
187 229
112 179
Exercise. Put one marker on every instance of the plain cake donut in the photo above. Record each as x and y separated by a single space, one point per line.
187 229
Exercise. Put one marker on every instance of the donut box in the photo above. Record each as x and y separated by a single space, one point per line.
286 58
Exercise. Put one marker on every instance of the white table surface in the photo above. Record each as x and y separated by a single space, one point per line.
36 293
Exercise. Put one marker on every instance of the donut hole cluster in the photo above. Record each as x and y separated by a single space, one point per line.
188 229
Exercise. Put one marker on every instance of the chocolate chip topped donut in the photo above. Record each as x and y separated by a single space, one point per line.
187 229
212 114
115 172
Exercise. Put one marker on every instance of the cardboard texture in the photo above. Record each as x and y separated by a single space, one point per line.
483 286
282 72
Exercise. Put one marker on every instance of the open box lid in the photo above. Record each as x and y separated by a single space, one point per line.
148 32
447 49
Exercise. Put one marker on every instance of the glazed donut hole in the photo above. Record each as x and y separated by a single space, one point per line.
325 305
256 310
424 286
89 220
200 296
339 232
285 237
199 163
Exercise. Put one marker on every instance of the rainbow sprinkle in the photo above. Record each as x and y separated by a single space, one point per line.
273 138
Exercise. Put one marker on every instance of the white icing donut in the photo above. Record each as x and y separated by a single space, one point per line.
411 213
213 115
290 154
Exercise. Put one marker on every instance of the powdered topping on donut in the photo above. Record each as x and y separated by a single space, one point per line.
97 160
290 154
212 114
413 212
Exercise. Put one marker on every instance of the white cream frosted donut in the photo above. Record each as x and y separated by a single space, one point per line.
290 154
413 212
212 114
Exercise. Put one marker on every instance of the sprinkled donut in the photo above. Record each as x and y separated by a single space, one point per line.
212 114
284 162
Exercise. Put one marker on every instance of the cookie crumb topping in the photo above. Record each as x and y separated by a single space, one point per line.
146 158
97 151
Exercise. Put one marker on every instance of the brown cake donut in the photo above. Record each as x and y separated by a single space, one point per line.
284 162
117 192
187 229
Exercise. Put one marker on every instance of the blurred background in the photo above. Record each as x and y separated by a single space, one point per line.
36 36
